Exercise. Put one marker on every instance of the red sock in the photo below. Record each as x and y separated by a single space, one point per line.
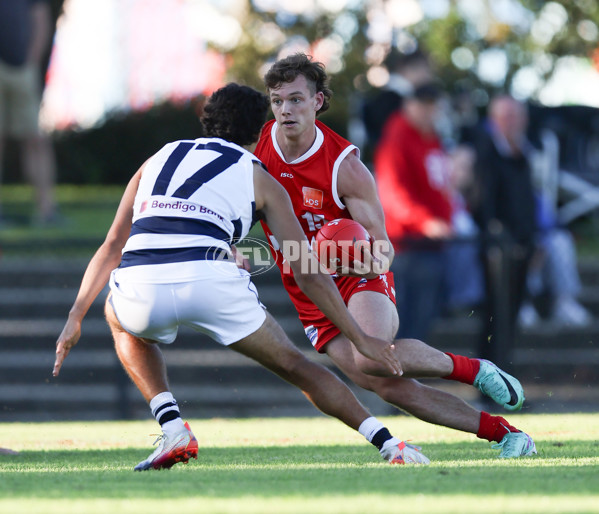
465 369
493 428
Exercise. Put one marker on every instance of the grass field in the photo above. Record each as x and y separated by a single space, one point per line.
299 465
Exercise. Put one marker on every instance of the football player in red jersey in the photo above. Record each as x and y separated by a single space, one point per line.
325 179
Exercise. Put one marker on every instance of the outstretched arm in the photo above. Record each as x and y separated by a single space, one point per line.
275 205
96 276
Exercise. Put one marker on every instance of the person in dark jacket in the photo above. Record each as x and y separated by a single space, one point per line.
507 218
406 72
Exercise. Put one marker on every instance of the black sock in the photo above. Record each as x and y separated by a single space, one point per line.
381 437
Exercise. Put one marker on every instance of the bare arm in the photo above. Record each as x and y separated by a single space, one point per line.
96 276
357 189
275 205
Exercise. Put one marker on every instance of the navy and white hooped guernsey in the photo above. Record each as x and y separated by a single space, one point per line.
195 198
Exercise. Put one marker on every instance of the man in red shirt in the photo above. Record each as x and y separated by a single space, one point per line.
325 179
412 175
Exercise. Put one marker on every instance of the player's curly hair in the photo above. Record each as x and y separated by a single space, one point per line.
235 113
292 66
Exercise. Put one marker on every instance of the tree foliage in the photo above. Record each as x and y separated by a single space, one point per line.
532 34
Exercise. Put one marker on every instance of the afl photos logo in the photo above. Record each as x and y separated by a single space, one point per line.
313 197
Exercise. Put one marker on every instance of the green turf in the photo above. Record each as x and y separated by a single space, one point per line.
86 211
297 465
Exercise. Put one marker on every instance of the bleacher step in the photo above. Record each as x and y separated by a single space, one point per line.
210 380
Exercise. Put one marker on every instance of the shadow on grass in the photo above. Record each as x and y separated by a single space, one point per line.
290 470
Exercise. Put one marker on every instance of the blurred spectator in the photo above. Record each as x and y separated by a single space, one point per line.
465 284
412 174
552 259
465 116
507 220
405 72
25 32
554 271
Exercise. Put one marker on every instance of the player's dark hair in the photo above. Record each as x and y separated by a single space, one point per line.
235 113
291 67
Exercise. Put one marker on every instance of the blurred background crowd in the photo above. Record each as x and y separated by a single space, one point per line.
109 61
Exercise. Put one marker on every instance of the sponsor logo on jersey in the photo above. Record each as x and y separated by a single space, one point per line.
313 197
287 175
178 206
205 210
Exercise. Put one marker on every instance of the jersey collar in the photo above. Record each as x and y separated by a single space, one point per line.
311 151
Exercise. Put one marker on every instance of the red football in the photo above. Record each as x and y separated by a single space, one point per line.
339 242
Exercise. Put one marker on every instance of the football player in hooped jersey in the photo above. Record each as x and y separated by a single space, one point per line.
177 220
325 179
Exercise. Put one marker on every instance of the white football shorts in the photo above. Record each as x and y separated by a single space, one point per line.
225 306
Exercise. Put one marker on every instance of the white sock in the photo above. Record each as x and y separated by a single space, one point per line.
166 411
369 427
161 398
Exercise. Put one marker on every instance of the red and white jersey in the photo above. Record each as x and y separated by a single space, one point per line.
311 181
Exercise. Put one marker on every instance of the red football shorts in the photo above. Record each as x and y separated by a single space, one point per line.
320 330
